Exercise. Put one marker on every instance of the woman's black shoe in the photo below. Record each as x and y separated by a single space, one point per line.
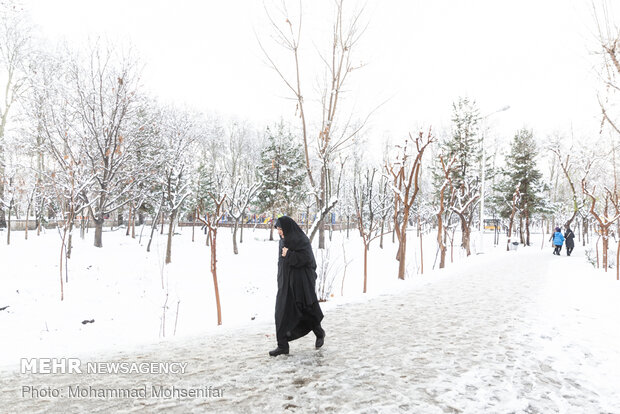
319 341
278 351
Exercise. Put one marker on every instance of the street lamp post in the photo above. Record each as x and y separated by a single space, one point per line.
482 178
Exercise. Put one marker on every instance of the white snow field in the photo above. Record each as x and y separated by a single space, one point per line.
503 332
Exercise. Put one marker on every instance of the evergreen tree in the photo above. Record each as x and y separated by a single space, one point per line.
282 172
521 170
465 141
464 146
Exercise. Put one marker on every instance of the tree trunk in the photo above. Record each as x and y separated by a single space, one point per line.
273 222
452 245
173 215
465 236
213 237
241 232
618 256
365 264
153 227
585 231
98 231
597 256
402 252
331 229
421 248
510 224
321 234
605 234
133 224
8 233
348 224
128 221
193 226
401 255
527 227
443 248
70 238
62 246
27 217
380 237
235 250
82 226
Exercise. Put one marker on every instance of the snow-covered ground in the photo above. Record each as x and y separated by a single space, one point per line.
123 288
502 332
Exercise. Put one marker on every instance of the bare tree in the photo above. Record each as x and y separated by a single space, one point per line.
604 219
105 99
56 135
405 172
241 196
211 221
368 210
333 134
441 229
14 53
565 163
613 198
179 135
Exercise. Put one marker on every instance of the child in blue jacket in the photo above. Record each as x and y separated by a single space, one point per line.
558 241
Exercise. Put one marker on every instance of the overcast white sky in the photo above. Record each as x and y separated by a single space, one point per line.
534 55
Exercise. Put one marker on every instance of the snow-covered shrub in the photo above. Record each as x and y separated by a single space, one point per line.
591 256
326 271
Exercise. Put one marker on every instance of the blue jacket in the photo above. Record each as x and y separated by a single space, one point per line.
558 238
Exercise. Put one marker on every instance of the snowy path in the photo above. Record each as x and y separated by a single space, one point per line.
487 338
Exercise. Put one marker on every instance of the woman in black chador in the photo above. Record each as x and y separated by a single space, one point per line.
297 307
569 236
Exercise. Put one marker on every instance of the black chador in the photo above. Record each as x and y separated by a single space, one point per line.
569 236
297 307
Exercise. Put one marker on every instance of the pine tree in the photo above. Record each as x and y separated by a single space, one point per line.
521 170
465 142
282 172
464 146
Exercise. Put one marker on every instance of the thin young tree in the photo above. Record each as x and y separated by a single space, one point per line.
603 218
211 221
334 134
441 228
565 165
613 198
405 174
240 197
368 208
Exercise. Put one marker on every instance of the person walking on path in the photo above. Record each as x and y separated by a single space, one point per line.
297 307
558 241
569 236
